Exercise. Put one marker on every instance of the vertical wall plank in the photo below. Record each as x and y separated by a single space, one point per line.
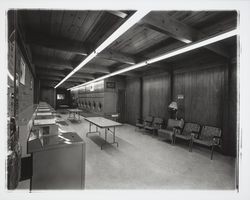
202 92
156 95
132 102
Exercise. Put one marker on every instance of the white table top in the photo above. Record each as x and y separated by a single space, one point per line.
74 110
43 109
43 113
102 122
44 121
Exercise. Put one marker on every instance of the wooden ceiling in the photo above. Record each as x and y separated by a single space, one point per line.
58 40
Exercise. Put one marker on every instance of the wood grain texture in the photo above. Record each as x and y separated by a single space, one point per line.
156 95
232 120
203 98
132 100
48 95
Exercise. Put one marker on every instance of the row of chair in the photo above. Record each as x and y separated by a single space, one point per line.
150 123
190 132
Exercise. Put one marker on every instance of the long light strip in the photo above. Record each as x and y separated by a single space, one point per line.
10 75
185 49
122 29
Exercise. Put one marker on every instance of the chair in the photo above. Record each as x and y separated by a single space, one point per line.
188 129
146 122
156 124
210 137
173 126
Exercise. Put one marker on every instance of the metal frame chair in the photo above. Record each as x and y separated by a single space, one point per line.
210 136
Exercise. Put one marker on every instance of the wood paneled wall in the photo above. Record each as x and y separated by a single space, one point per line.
133 87
156 95
48 94
232 121
210 98
203 95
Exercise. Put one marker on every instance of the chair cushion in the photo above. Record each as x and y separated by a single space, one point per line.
175 123
184 137
203 142
166 133
149 127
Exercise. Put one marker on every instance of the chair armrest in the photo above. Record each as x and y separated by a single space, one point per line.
194 135
216 140
158 125
176 130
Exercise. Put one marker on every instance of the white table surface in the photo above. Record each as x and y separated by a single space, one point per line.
43 109
43 113
102 122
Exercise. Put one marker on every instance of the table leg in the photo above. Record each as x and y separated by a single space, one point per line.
89 129
96 129
105 138
114 142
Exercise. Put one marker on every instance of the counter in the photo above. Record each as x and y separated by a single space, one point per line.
58 161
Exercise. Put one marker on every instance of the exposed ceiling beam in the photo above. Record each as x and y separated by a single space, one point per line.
118 13
52 83
52 63
60 44
69 46
50 73
117 56
59 64
104 42
162 22
62 73
187 48
51 78
83 75
58 78
92 68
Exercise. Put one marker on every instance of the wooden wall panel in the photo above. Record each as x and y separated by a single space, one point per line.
156 95
132 101
203 95
48 94
232 125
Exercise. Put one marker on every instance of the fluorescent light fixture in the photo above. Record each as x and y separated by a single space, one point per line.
10 75
187 48
122 29
193 46
187 41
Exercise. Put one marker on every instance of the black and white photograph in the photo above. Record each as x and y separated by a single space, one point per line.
125 98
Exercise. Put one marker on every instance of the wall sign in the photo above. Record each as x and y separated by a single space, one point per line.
180 96
110 85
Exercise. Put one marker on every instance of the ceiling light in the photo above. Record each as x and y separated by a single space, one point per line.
187 48
193 46
118 32
10 75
